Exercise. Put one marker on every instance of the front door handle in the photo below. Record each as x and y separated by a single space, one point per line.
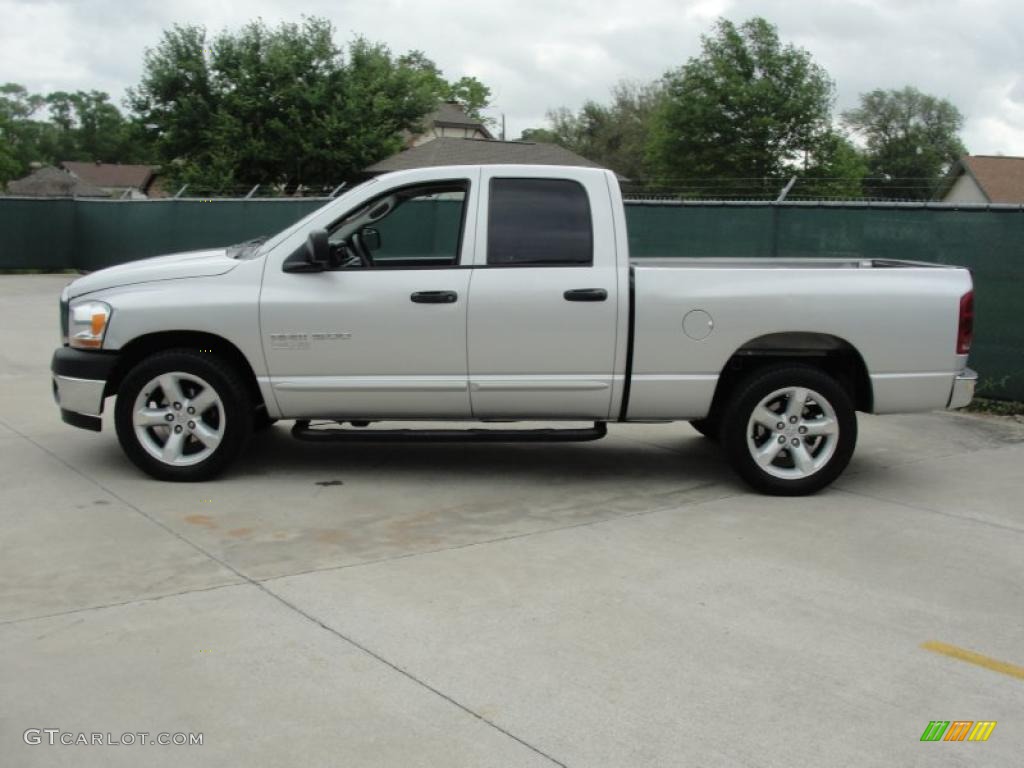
586 294
434 297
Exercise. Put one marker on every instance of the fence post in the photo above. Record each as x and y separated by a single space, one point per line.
785 189
775 229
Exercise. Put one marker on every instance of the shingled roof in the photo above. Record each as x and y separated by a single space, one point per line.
53 182
111 175
451 151
1000 178
451 113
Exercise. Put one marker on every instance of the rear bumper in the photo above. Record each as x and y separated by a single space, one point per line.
963 389
79 383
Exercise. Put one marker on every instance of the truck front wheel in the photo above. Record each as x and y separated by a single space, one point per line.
183 415
789 430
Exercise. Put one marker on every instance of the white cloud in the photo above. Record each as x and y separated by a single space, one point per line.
537 55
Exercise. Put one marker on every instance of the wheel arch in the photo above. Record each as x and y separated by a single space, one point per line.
143 346
832 354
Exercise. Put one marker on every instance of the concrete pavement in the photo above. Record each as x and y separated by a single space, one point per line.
620 603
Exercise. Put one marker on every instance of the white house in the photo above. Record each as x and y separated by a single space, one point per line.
983 179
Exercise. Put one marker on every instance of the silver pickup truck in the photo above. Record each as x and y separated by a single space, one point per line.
504 293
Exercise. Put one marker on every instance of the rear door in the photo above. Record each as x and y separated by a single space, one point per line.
544 298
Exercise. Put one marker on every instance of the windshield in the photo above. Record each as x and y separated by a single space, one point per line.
285 233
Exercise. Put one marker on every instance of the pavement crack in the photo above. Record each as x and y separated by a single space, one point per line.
920 508
270 593
120 603
406 673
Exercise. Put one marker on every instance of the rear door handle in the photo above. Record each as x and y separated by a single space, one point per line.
434 297
586 294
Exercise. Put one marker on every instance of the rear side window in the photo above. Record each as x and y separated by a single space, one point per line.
544 222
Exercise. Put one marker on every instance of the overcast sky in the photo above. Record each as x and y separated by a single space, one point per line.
539 54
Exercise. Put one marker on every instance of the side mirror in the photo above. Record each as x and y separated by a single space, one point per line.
312 256
318 249
371 238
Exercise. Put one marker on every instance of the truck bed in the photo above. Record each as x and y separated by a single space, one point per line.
693 314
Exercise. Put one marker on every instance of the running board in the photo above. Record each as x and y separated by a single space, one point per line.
302 431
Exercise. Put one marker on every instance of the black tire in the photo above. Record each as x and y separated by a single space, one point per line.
261 422
833 457
709 427
234 402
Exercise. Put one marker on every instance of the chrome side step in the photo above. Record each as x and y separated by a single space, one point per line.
303 431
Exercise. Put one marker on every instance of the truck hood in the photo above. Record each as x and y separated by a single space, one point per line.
177 265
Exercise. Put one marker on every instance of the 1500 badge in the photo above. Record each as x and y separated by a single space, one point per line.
301 341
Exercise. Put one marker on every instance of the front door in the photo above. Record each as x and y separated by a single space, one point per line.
383 334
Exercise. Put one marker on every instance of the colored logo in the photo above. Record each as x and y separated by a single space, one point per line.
958 730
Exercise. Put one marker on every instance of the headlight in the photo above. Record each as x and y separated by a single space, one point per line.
87 324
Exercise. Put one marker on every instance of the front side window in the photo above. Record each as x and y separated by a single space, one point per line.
416 226
542 222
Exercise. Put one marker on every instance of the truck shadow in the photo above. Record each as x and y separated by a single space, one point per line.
680 456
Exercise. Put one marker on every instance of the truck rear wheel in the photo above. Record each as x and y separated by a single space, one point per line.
183 415
789 430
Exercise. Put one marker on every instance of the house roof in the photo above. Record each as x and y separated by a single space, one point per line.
111 174
452 113
1001 179
452 151
53 182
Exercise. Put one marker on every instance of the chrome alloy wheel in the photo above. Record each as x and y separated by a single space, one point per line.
178 419
793 433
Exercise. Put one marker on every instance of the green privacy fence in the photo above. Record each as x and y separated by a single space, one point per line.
989 240
92 234
419 228
87 235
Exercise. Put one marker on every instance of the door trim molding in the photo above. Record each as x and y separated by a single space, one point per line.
371 384
535 384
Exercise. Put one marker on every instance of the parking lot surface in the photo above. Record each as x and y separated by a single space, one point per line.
620 603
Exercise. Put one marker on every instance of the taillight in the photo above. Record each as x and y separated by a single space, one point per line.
965 330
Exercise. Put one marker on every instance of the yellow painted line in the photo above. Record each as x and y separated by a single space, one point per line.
955 652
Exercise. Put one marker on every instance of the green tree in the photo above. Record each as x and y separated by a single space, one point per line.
749 107
540 135
281 105
23 139
10 166
82 126
616 135
469 92
834 168
89 127
473 95
912 138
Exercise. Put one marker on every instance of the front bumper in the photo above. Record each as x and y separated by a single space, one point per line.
963 389
79 384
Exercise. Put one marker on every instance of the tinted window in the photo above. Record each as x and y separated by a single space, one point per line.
539 221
